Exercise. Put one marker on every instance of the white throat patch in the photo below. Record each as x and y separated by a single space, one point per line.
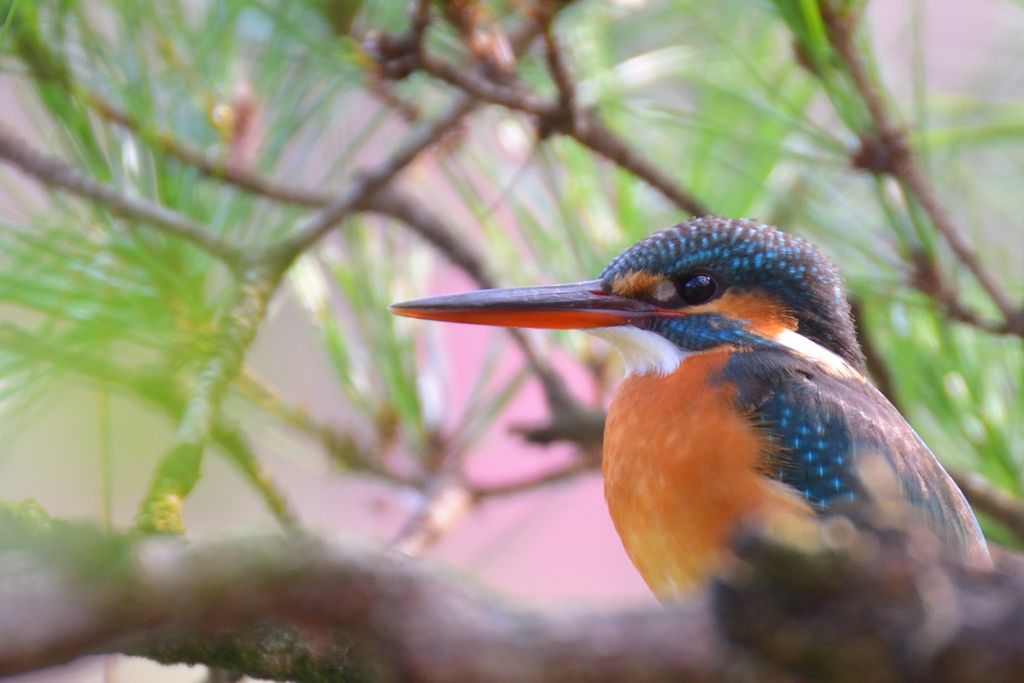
643 352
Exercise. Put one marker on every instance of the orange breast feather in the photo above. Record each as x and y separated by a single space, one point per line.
681 472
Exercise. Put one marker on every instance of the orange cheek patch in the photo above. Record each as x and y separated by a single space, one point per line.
636 283
767 316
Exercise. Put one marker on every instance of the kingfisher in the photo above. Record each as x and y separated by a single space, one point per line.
745 399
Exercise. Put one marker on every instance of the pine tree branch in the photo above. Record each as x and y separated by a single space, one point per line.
583 128
884 603
57 174
359 192
896 156
178 470
371 612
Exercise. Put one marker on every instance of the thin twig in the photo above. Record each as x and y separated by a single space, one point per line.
234 443
584 128
55 173
363 188
559 70
929 279
481 88
608 144
578 467
420 220
210 165
423 136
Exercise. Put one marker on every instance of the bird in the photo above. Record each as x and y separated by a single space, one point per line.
745 399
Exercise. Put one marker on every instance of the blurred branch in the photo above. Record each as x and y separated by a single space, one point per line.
835 607
55 173
384 91
582 465
558 69
446 500
928 279
585 428
178 471
479 87
380 616
211 165
888 150
998 504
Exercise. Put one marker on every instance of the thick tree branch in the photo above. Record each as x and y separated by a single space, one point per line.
389 617
830 605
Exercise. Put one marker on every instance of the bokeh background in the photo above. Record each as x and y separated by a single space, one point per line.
717 93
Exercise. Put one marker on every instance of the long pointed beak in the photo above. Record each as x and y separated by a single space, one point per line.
575 306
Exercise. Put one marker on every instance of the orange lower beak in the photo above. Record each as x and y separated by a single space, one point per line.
574 306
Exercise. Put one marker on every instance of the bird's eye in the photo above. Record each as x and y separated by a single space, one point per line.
697 289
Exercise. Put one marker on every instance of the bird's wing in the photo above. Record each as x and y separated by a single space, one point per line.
830 431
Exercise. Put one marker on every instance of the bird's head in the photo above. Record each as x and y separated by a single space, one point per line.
708 282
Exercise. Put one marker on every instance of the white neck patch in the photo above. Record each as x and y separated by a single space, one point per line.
643 352
812 350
